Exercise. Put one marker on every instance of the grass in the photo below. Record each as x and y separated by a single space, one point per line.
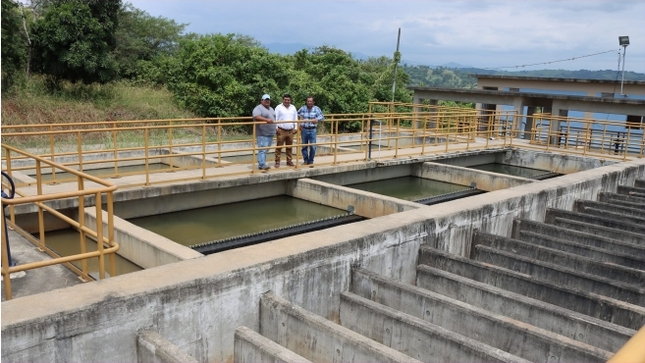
76 103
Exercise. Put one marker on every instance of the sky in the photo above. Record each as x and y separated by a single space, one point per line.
510 35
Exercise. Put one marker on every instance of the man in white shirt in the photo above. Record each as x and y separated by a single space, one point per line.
286 116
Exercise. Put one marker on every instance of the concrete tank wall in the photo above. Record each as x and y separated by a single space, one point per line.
198 304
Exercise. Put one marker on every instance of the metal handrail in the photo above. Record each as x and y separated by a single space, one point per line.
39 198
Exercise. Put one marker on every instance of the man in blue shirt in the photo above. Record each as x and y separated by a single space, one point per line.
311 115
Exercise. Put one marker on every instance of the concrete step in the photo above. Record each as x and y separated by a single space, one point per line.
621 199
631 191
632 215
563 276
585 234
582 301
594 253
252 347
414 336
552 214
592 331
567 260
496 330
317 338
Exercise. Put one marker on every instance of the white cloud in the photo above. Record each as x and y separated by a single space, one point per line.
480 33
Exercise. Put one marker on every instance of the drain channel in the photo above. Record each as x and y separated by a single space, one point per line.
254 238
546 175
449 196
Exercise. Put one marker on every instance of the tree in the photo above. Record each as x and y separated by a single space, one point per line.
141 38
75 39
14 46
222 75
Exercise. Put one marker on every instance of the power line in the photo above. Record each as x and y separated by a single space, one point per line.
550 62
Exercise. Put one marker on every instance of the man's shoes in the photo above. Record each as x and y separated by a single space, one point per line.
289 163
265 168
305 163
277 165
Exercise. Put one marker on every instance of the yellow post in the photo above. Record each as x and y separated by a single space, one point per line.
633 351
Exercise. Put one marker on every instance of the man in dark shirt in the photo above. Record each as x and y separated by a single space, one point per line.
264 131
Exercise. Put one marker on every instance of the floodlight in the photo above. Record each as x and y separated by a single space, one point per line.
623 40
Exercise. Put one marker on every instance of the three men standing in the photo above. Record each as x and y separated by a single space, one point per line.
264 132
311 115
285 130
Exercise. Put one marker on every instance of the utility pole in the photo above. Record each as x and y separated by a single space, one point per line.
397 58
624 42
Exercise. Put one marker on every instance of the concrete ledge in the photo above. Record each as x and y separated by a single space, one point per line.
414 336
598 254
516 338
483 180
564 276
583 233
153 348
581 327
620 199
318 339
530 254
366 204
598 306
141 246
251 347
602 231
553 213
633 215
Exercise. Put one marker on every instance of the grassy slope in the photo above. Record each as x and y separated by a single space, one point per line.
77 103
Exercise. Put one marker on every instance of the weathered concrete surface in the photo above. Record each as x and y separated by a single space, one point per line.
634 214
252 347
608 221
607 254
581 327
153 348
319 339
582 301
533 255
588 234
198 304
413 336
483 180
531 343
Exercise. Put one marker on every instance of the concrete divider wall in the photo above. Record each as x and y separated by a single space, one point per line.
198 304
251 347
551 161
366 204
153 348
483 180
141 246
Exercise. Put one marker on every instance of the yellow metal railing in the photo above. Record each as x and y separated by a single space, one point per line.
207 144
37 197
611 139
633 351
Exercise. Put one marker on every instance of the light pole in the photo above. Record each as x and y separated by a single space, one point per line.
624 42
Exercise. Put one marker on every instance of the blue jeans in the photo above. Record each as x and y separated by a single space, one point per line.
308 151
263 141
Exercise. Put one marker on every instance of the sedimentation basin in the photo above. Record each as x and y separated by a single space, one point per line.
196 303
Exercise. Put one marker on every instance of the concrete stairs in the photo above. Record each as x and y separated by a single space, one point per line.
570 289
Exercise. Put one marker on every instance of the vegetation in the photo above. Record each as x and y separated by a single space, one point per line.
91 60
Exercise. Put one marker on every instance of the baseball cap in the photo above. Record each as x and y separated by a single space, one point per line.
266 97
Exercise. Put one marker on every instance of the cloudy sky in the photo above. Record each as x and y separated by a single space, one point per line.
502 34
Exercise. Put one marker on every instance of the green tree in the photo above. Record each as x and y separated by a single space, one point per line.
222 75
140 38
14 45
75 40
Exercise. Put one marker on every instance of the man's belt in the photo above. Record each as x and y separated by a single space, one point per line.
309 127
282 128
